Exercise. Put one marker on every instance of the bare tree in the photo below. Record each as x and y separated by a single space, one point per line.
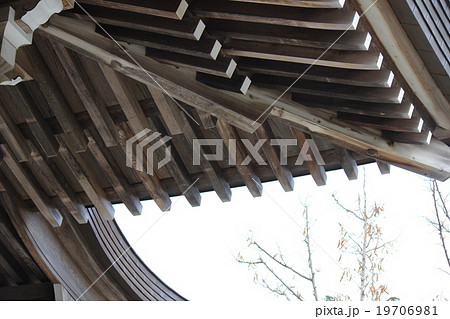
442 221
367 247
275 263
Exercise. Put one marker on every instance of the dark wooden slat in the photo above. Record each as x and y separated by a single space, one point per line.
169 110
348 162
222 66
239 154
56 100
378 78
82 173
384 167
317 171
402 110
29 110
298 17
412 125
41 201
340 91
117 180
60 187
206 47
301 3
12 134
189 27
93 104
358 60
423 137
237 83
272 33
174 9
282 173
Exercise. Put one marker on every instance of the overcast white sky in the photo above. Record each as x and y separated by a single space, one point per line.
193 249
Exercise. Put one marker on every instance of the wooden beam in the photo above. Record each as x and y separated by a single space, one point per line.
402 110
331 90
423 137
180 84
170 111
174 9
317 171
393 38
237 155
152 183
64 191
367 78
413 125
358 60
206 48
33 117
238 83
327 19
287 35
41 201
94 105
282 173
384 168
301 3
55 98
82 173
11 133
139 122
188 28
348 162
117 180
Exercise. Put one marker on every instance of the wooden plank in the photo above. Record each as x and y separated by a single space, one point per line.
178 83
222 66
282 173
358 60
41 201
340 91
238 83
33 292
414 124
190 27
328 19
301 3
384 168
55 178
117 180
348 162
279 34
82 173
33 117
174 9
238 155
169 110
93 104
206 48
317 171
367 78
402 110
12 134
151 183
423 137
139 122
55 99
